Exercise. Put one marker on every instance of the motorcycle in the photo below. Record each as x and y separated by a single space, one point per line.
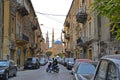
56 69
52 68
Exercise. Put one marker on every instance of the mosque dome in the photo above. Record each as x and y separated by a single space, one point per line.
58 42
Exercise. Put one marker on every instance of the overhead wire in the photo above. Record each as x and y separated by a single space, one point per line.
53 14
53 19
50 14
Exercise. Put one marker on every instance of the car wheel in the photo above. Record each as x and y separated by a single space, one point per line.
36 67
15 74
57 71
6 76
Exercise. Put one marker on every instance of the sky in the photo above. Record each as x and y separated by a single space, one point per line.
51 14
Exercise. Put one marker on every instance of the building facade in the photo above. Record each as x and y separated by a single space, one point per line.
88 35
21 31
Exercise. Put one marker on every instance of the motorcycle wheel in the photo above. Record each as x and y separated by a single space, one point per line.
57 71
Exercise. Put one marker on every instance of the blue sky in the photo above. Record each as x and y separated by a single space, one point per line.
52 14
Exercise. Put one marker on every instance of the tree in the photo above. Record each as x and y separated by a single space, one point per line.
48 53
111 10
61 55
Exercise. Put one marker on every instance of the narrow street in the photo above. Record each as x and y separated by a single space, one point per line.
41 74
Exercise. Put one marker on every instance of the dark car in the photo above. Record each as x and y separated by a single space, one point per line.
83 70
65 61
108 68
32 63
7 68
70 63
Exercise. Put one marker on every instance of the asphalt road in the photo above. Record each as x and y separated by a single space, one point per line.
41 74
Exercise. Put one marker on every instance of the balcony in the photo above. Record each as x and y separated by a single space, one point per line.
67 36
38 34
22 39
67 24
81 16
42 39
31 48
23 7
79 42
34 24
35 46
63 31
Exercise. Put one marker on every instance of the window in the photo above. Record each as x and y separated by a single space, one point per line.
101 71
112 72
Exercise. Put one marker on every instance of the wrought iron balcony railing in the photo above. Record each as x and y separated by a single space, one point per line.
22 38
23 7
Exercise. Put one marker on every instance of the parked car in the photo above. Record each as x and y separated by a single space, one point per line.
70 63
61 61
7 68
108 68
65 61
83 60
32 63
50 60
43 61
83 71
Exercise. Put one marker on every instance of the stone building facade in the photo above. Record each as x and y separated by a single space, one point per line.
88 35
21 31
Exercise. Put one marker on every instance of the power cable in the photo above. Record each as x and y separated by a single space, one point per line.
56 20
50 14
54 14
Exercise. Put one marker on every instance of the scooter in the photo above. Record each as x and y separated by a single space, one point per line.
52 68
56 69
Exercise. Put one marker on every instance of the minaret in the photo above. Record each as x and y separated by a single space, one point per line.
53 38
47 41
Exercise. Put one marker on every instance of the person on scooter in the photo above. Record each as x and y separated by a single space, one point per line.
49 68
55 63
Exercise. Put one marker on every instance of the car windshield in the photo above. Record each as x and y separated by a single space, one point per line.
3 63
86 68
71 59
31 60
42 60
66 59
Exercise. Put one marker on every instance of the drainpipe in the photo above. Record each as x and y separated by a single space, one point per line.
1 27
99 36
